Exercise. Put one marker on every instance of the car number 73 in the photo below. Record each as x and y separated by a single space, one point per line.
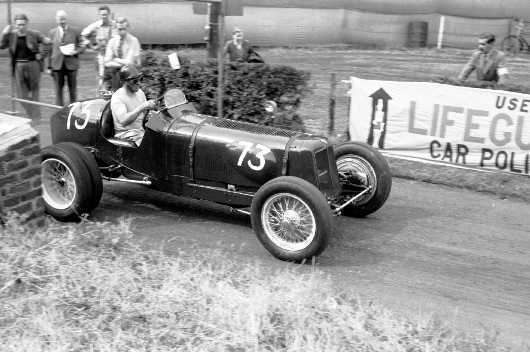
259 151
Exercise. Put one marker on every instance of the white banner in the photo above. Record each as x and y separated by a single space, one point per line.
488 129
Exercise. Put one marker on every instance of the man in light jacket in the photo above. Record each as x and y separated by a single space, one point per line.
122 50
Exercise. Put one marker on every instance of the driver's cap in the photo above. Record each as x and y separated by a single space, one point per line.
129 72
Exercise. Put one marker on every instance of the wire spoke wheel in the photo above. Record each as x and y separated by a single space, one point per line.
355 175
291 218
361 168
58 184
288 221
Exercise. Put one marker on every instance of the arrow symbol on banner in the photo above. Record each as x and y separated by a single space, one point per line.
378 123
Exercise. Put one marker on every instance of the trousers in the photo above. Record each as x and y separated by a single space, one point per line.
59 79
27 81
111 78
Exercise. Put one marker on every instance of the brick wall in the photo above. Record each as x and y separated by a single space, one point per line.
20 180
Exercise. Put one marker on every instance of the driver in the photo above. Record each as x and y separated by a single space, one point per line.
128 104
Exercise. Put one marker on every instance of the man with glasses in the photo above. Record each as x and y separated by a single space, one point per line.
96 36
488 62
128 105
122 50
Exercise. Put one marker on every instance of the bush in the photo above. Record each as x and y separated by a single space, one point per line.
247 87
483 84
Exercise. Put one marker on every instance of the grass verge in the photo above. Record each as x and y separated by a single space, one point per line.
89 287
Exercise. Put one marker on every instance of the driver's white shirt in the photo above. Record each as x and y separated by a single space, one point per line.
121 103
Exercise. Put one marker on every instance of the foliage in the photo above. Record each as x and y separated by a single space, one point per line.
89 287
246 87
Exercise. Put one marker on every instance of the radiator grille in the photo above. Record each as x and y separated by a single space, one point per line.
252 128
322 160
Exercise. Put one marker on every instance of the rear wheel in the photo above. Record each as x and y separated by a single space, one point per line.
291 218
66 183
512 45
360 168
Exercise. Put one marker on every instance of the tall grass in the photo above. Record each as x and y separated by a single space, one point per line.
88 287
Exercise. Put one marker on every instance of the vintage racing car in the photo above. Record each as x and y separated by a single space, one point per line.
290 183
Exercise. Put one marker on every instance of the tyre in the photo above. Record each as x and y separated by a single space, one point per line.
66 183
291 218
511 44
93 170
523 45
362 167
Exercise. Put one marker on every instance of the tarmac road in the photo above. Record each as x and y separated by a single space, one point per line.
431 249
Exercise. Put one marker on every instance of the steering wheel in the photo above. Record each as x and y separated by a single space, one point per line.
159 102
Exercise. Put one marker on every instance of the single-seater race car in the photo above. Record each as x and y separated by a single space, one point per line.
290 183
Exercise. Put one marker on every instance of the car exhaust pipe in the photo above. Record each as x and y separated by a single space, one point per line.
145 181
240 211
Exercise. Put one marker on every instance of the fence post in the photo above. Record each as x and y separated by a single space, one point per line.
215 35
220 57
332 94
441 30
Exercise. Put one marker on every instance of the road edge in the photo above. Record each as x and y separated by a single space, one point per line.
501 184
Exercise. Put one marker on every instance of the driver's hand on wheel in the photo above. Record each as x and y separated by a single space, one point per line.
148 105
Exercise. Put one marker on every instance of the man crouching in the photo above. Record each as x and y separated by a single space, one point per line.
488 62
128 104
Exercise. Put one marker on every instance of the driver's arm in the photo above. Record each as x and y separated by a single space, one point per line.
119 110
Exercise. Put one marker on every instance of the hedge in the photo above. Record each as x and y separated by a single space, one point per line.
247 87
483 84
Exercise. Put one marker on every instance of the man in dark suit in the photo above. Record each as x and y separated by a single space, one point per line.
64 57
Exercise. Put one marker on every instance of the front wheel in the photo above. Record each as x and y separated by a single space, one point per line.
362 168
291 218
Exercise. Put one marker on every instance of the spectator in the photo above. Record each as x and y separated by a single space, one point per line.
127 105
96 35
25 49
488 62
64 57
122 50
239 49
287 117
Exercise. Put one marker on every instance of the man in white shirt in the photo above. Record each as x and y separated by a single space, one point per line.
122 50
128 105
96 36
